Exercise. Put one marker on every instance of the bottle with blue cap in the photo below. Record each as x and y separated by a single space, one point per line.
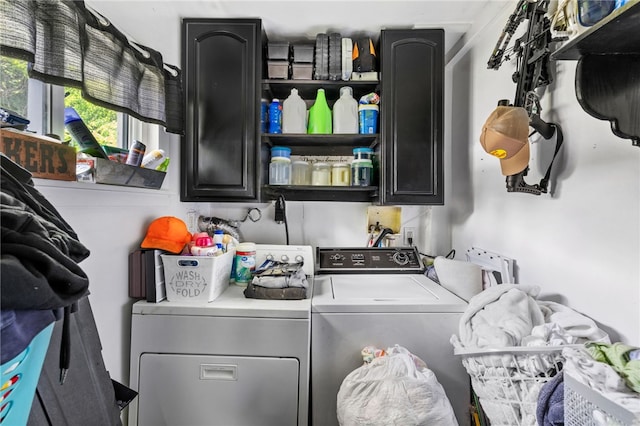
275 116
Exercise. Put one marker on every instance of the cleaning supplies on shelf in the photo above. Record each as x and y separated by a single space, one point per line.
345 112
294 114
320 115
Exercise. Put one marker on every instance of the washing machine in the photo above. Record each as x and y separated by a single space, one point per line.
232 361
380 297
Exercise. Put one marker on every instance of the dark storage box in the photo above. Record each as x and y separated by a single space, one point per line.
278 69
303 53
278 50
302 71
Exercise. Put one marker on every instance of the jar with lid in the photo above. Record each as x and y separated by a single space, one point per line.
340 174
361 173
362 153
280 166
321 174
300 173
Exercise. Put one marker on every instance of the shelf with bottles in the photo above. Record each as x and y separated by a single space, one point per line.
322 193
308 89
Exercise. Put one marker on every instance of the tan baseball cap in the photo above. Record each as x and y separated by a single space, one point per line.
505 135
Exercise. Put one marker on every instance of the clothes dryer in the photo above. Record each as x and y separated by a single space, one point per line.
233 361
380 297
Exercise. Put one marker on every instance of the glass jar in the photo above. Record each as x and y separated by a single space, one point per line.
361 173
321 174
340 174
280 166
300 173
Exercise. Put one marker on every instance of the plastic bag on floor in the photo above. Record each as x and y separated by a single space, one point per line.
396 389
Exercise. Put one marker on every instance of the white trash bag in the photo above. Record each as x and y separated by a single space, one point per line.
394 389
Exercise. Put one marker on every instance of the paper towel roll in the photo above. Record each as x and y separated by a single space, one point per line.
464 279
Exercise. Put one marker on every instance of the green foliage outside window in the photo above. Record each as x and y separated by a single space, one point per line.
14 84
102 122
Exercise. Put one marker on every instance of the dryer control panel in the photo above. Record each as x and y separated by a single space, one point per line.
368 260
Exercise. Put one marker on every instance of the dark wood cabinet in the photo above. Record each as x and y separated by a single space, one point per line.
225 158
411 160
222 63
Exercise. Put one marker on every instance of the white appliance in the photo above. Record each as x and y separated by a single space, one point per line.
380 297
233 361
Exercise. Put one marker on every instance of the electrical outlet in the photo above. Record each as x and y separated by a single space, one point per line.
409 236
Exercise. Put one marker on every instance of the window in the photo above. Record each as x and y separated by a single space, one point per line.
43 105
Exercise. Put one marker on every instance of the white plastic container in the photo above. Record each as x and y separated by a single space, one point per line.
294 114
345 112
197 279
245 263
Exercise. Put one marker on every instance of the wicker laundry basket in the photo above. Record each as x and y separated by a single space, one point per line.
508 380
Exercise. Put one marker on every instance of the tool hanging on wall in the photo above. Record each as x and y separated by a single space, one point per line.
502 135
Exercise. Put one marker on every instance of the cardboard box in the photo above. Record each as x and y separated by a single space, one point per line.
43 157
199 279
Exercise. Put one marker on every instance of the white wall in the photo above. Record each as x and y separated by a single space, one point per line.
580 244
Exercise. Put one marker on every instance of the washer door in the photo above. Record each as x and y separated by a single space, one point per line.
213 390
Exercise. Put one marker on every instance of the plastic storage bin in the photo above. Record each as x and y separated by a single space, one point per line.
303 53
278 50
278 69
301 71
197 279
20 377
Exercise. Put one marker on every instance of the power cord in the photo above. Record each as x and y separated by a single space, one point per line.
280 215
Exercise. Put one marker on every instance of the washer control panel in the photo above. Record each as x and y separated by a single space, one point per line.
368 260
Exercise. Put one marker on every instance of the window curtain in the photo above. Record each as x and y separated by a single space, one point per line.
67 44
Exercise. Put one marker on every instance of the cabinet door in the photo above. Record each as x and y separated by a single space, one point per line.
222 64
411 116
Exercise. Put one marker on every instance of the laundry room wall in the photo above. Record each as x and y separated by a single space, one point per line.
580 243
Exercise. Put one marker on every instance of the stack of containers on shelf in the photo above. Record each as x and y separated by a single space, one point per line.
302 66
278 60
362 167
280 166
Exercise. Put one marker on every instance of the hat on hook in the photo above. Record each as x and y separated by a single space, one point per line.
167 233
505 135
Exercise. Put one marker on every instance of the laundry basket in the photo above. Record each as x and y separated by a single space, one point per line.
19 380
584 406
508 380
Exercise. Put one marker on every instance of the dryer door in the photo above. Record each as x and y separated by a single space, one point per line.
195 390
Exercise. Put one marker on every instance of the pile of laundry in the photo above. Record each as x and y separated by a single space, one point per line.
511 345
393 387
278 280
612 370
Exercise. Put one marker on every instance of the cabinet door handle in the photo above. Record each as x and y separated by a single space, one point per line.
218 372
